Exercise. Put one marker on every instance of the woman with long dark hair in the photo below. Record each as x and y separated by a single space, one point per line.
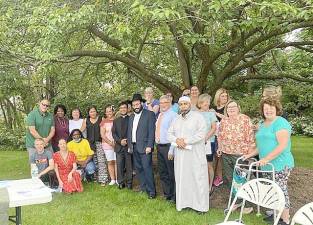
92 125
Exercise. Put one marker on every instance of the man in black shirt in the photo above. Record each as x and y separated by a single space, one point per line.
123 157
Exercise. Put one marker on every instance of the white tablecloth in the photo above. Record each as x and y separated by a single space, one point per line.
27 192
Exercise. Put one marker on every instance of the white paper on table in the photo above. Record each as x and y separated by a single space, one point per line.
188 147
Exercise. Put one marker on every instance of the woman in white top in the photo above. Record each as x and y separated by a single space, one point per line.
76 120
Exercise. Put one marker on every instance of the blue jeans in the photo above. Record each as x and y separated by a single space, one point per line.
90 168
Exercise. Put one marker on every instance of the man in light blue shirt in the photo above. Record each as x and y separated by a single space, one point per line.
166 166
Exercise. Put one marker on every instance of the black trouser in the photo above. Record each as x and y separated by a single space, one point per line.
50 178
166 171
143 164
124 164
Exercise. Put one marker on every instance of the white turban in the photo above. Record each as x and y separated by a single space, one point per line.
184 99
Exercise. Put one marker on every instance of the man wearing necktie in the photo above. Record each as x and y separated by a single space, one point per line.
165 166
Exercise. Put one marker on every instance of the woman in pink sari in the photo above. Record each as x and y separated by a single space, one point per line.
65 167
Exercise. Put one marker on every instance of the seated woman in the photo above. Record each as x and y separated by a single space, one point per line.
81 148
65 168
235 139
274 146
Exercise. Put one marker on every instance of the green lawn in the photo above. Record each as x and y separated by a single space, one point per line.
108 205
302 149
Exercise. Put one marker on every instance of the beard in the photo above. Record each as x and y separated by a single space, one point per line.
138 110
185 112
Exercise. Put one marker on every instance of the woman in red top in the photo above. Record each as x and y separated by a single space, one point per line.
65 167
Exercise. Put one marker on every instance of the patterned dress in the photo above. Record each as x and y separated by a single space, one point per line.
64 168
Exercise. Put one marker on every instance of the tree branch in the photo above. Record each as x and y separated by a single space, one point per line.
183 57
104 37
143 42
133 63
277 76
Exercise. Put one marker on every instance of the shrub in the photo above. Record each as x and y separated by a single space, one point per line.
12 139
302 125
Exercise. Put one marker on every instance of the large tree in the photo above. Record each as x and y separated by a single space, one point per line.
170 44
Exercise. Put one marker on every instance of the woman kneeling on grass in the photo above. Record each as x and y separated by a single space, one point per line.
274 146
65 167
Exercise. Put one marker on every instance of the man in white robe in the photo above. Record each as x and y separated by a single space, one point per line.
187 132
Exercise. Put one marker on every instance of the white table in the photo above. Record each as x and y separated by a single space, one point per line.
25 192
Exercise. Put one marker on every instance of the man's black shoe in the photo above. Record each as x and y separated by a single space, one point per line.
121 186
151 197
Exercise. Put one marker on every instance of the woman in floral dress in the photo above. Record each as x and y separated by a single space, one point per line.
65 168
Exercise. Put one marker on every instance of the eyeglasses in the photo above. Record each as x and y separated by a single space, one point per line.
232 107
45 105
186 94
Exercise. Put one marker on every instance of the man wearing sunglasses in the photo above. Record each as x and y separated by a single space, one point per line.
40 125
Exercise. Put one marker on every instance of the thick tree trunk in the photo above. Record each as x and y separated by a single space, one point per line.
6 122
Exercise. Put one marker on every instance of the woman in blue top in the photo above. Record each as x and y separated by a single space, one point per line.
274 146
204 105
151 103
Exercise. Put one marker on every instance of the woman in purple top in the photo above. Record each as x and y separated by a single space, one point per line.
151 103
61 126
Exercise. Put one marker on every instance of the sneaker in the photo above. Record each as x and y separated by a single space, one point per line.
218 181
281 222
236 206
112 182
247 210
269 212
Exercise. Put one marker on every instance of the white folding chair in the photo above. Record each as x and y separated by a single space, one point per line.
263 192
304 215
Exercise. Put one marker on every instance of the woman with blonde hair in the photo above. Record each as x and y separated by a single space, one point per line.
210 118
272 91
220 99
151 103
65 167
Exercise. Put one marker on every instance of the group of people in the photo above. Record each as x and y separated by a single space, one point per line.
197 146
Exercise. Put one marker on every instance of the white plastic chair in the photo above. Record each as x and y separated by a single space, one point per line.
304 215
263 192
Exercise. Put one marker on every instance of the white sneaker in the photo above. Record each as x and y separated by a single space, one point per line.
112 182
247 210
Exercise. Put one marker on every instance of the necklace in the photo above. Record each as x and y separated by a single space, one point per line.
62 122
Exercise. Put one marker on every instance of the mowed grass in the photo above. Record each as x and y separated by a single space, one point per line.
302 149
108 205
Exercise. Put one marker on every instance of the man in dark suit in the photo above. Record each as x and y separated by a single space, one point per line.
140 138
123 157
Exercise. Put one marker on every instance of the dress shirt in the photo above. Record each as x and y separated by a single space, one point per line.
135 125
167 118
